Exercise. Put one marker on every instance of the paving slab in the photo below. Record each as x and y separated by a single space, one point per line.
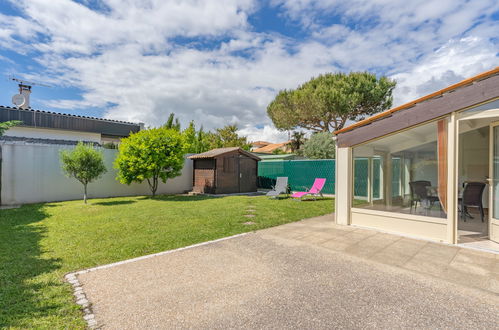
267 280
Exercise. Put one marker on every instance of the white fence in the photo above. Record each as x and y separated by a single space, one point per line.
32 173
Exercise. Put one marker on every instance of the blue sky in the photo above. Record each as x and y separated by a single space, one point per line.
222 61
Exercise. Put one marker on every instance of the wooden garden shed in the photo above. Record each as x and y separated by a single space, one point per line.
225 171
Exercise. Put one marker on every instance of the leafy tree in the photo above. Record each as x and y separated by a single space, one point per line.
227 137
202 144
151 155
297 140
326 103
84 163
172 122
190 137
320 146
8 124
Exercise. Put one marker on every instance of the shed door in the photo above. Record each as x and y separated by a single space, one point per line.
247 174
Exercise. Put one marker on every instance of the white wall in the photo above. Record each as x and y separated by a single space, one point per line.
343 185
46 133
32 173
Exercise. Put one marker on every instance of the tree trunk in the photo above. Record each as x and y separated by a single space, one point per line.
153 185
85 193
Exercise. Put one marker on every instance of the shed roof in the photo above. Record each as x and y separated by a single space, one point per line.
220 151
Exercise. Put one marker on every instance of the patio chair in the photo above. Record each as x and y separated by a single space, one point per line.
472 197
419 193
315 191
281 187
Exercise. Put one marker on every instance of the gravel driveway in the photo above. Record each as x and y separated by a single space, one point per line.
265 280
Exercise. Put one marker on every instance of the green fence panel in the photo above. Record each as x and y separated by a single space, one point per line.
361 171
300 173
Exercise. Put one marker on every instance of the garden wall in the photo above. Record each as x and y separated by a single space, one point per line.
32 173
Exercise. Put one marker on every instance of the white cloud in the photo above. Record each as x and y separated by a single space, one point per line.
212 86
453 62
267 133
75 28
12 29
125 57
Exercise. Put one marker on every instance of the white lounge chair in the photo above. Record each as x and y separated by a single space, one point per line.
281 187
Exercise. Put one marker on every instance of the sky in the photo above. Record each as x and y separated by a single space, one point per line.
222 62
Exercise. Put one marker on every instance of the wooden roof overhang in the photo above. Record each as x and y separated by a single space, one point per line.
467 93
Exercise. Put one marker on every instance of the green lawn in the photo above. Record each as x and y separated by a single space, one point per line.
40 243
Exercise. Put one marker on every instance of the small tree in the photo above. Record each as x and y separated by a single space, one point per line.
320 146
150 155
202 143
190 138
172 122
84 163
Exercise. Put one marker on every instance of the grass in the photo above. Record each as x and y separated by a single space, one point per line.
40 243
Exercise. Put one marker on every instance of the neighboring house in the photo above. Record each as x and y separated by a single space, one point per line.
47 126
224 171
420 159
30 169
271 148
258 144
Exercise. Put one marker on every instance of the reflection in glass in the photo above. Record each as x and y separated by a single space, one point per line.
404 172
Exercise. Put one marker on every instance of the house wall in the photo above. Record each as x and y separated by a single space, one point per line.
46 133
411 225
32 173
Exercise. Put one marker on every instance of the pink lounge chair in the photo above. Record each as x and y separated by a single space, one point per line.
315 191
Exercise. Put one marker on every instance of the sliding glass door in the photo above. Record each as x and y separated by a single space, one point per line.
494 182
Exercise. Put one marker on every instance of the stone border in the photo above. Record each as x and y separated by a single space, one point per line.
81 298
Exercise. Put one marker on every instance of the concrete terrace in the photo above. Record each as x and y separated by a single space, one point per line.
307 274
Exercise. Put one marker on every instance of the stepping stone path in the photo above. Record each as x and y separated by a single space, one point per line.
249 210
248 223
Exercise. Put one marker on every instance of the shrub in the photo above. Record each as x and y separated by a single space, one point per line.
150 155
